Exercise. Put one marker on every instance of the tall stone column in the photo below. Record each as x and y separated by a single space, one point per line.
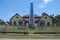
31 20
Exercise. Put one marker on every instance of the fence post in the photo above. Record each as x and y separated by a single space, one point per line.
36 27
55 28
6 27
27 27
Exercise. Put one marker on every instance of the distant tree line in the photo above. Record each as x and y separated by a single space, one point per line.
56 20
2 21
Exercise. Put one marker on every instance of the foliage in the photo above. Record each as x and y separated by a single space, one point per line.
2 21
56 20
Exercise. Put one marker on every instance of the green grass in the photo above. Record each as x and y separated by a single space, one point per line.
57 24
17 36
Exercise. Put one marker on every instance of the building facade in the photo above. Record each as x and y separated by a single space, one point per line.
43 20
16 20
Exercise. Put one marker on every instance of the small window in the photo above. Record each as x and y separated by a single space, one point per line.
17 17
45 17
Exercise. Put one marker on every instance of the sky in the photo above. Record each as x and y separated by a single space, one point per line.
8 8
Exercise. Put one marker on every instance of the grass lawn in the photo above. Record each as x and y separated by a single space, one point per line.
30 30
57 24
17 36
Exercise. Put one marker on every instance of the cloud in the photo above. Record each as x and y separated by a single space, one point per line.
44 4
47 1
41 6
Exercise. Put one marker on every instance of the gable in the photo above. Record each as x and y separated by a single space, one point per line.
46 17
16 17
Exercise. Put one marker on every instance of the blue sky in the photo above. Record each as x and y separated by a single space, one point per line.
10 7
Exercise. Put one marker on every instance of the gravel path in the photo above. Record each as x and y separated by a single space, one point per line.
26 39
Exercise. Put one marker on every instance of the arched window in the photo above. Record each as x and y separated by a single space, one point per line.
14 22
16 16
42 23
48 24
20 23
45 17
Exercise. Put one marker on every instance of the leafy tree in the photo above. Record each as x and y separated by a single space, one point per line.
53 19
56 20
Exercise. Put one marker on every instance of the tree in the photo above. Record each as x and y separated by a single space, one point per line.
53 19
57 18
2 21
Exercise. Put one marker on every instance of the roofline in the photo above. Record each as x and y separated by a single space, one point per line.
14 15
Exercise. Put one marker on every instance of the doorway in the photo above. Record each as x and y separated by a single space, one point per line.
48 24
14 22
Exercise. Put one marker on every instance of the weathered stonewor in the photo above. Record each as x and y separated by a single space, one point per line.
27 27
36 26
7 27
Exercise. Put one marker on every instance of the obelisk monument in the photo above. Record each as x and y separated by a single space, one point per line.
31 20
